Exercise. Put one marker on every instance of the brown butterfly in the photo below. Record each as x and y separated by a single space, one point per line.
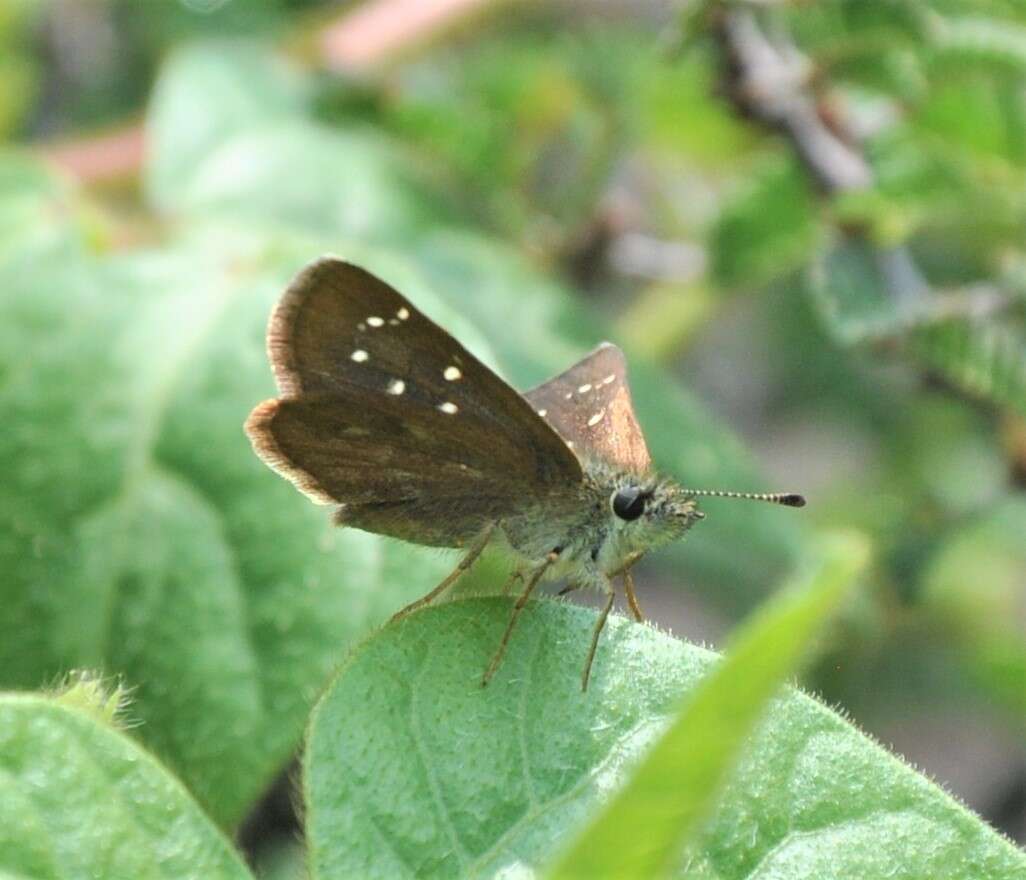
385 415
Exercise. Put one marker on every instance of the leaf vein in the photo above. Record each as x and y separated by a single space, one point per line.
525 760
531 815
416 734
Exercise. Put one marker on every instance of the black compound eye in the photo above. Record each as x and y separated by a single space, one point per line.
629 503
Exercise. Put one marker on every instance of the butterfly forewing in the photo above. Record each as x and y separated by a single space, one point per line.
590 407
384 413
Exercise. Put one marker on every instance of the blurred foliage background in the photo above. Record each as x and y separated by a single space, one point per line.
803 220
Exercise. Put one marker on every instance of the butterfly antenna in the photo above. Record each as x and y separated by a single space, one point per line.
788 499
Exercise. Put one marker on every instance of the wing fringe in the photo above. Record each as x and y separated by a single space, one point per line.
258 429
283 318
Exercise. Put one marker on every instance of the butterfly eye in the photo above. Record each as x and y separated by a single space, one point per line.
629 503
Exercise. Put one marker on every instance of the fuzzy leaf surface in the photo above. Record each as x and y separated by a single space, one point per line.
139 533
81 799
642 831
431 775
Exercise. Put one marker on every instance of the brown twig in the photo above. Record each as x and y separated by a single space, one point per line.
381 29
100 158
769 81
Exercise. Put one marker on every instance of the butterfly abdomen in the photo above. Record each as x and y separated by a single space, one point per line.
431 521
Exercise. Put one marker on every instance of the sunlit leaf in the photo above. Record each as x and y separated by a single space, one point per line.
207 93
80 799
976 588
138 532
642 831
412 769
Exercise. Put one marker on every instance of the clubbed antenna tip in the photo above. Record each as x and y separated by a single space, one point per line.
788 499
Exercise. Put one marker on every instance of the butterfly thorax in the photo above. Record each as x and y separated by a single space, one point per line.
593 532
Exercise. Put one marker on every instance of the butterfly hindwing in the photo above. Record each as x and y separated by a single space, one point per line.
385 414
590 407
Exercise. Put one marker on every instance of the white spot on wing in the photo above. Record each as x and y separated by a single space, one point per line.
452 374
403 313
568 395
609 379
449 408
375 321
584 389
543 412
595 419
396 386
359 355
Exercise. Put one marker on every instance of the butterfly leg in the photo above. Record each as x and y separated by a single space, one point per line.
532 582
628 584
569 588
599 626
465 563
632 599
512 579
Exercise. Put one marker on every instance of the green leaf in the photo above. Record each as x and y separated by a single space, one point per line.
641 832
969 43
412 769
979 124
767 230
36 211
571 110
80 799
975 586
107 702
681 115
866 294
849 286
986 359
351 185
205 94
138 532
227 124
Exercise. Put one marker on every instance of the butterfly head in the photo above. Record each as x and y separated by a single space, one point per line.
649 513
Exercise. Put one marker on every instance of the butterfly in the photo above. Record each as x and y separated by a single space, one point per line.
387 417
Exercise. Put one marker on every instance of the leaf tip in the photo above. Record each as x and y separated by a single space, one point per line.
106 700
